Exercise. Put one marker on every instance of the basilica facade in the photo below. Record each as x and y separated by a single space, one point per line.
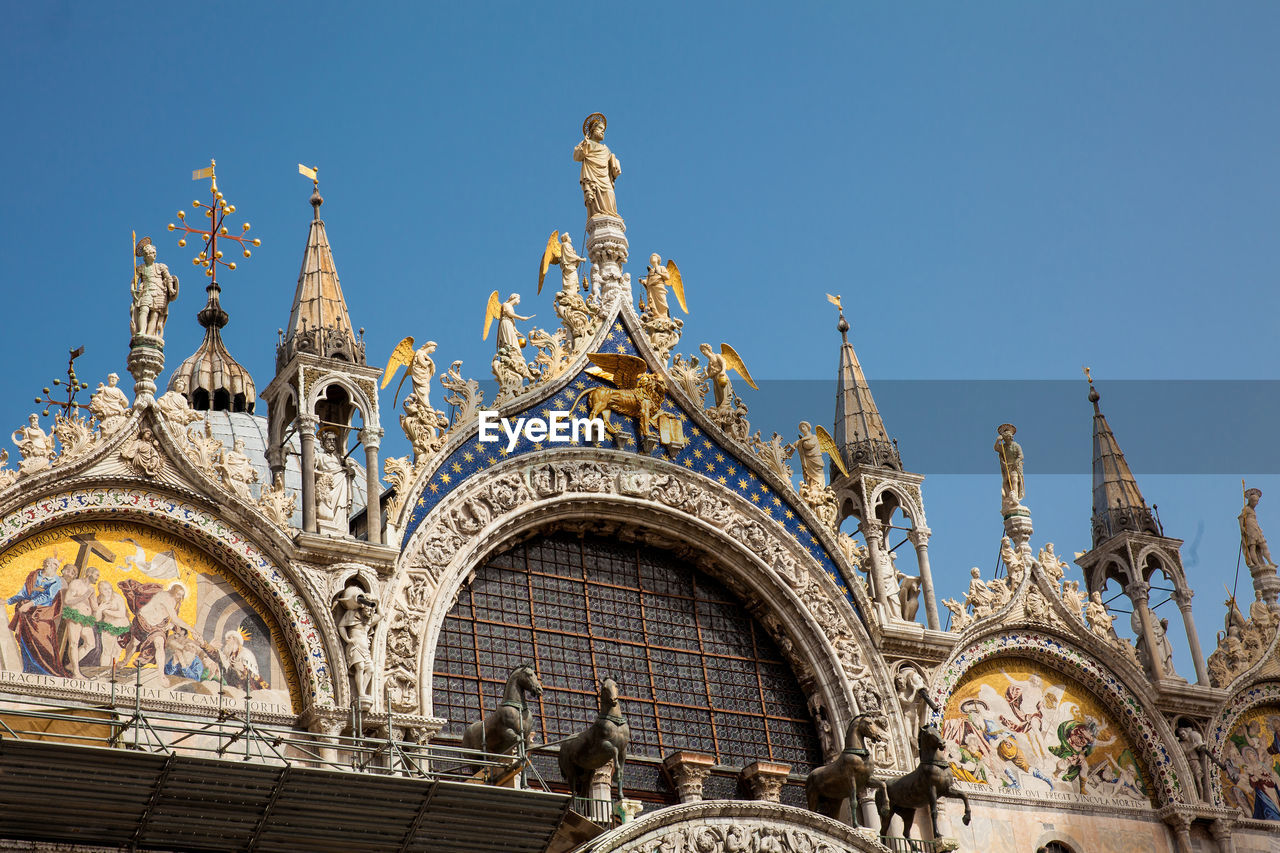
592 610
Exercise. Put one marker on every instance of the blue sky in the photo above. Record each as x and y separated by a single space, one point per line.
998 190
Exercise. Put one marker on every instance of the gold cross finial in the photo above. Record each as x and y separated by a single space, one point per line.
216 212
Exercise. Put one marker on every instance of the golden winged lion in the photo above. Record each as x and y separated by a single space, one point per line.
639 393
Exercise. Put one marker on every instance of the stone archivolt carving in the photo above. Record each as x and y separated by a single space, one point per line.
733 827
528 486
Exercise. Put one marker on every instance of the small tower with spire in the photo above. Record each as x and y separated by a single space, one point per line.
322 382
1130 548
877 486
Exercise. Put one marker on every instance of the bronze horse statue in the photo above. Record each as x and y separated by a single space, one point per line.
828 786
603 741
511 723
931 779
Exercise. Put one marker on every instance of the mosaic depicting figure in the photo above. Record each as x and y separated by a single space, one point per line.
95 601
1012 724
1250 770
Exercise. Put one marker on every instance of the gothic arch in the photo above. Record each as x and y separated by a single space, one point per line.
1133 709
1260 693
828 645
297 618
359 399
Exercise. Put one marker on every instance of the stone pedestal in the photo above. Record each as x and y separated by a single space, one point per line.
606 246
146 360
1266 583
1017 526
764 779
687 771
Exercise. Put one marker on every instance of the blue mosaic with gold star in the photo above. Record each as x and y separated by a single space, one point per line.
701 454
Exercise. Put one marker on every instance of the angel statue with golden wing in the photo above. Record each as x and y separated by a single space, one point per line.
505 314
655 284
421 369
814 490
560 252
718 367
809 447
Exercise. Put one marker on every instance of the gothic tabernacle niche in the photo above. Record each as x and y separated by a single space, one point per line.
696 671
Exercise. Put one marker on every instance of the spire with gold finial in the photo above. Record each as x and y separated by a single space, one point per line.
859 430
319 322
1117 502
214 380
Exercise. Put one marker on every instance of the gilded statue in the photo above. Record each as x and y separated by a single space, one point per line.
560 252
505 313
656 281
153 288
639 393
571 308
421 369
1012 488
717 371
814 490
1256 552
599 168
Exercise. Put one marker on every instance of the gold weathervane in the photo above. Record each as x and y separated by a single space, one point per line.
210 256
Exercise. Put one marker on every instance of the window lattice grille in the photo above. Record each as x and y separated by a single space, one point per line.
695 670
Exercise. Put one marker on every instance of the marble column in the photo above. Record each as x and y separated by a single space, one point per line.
307 438
1220 829
873 532
1183 598
370 436
1138 593
920 539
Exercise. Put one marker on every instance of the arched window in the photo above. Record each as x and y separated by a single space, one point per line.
1055 847
696 671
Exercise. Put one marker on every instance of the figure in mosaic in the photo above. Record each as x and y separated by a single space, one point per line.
36 618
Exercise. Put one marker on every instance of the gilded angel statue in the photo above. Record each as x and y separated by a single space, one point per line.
560 252
421 369
655 284
810 446
717 370
505 314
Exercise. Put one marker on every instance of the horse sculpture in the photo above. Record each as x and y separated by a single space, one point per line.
511 723
931 779
849 775
603 741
